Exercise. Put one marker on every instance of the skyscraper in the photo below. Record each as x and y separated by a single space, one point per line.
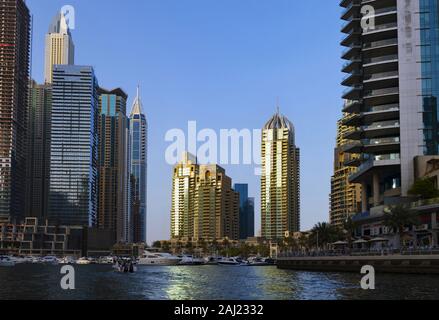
246 212
59 49
204 205
112 163
138 170
280 181
38 150
345 196
73 194
14 80
393 82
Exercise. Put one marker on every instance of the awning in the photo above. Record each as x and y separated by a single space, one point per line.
360 241
340 243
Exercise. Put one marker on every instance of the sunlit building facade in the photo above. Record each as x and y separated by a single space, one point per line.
204 205
14 80
73 196
59 47
280 180
345 196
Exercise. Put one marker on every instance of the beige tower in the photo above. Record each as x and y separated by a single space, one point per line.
204 205
345 196
280 181
59 49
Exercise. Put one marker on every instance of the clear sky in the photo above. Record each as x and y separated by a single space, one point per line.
221 63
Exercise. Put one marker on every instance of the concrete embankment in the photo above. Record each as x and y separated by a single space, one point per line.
424 264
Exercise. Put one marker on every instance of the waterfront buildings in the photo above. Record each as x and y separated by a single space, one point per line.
14 80
246 212
113 163
38 150
37 237
73 196
393 82
345 196
59 49
280 181
138 170
204 205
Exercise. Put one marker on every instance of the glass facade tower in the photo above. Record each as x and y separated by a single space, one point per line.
246 212
73 194
138 170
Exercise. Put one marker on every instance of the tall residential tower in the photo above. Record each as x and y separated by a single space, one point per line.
14 81
112 163
138 170
59 46
280 181
392 67
73 197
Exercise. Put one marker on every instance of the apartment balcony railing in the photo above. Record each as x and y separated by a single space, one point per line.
380 43
380 92
386 107
382 125
386 58
381 141
382 27
352 92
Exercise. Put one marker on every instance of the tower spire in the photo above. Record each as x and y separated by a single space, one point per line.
277 106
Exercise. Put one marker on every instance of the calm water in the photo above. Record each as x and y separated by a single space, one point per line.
207 283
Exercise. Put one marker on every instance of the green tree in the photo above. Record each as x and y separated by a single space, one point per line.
424 188
400 218
323 234
157 244
349 226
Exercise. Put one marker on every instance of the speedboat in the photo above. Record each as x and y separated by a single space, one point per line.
83 261
158 259
212 260
50 260
6 261
188 260
257 262
125 266
229 262
106 260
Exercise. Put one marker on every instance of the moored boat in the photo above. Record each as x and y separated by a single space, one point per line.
229 262
6 261
158 259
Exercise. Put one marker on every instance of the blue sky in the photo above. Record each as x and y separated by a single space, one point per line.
223 64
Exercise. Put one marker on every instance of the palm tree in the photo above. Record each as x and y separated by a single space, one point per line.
399 218
349 226
323 234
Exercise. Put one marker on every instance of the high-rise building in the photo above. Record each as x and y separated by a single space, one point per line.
59 49
392 66
112 163
246 212
138 169
14 81
73 196
204 205
345 197
280 180
38 150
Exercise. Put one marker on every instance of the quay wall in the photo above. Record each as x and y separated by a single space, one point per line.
423 264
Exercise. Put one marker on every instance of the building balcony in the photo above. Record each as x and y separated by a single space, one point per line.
380 129
350 24
381 32
381 145
373 165
381 63
352 51
381 96
353 64
351 8
353 147
352 106
353 121
381 113
383 78
353 93
353 37
352 78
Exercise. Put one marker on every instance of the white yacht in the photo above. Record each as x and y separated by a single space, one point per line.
158 259
229 262
6 261
67 260
83 261
50 260
188 260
